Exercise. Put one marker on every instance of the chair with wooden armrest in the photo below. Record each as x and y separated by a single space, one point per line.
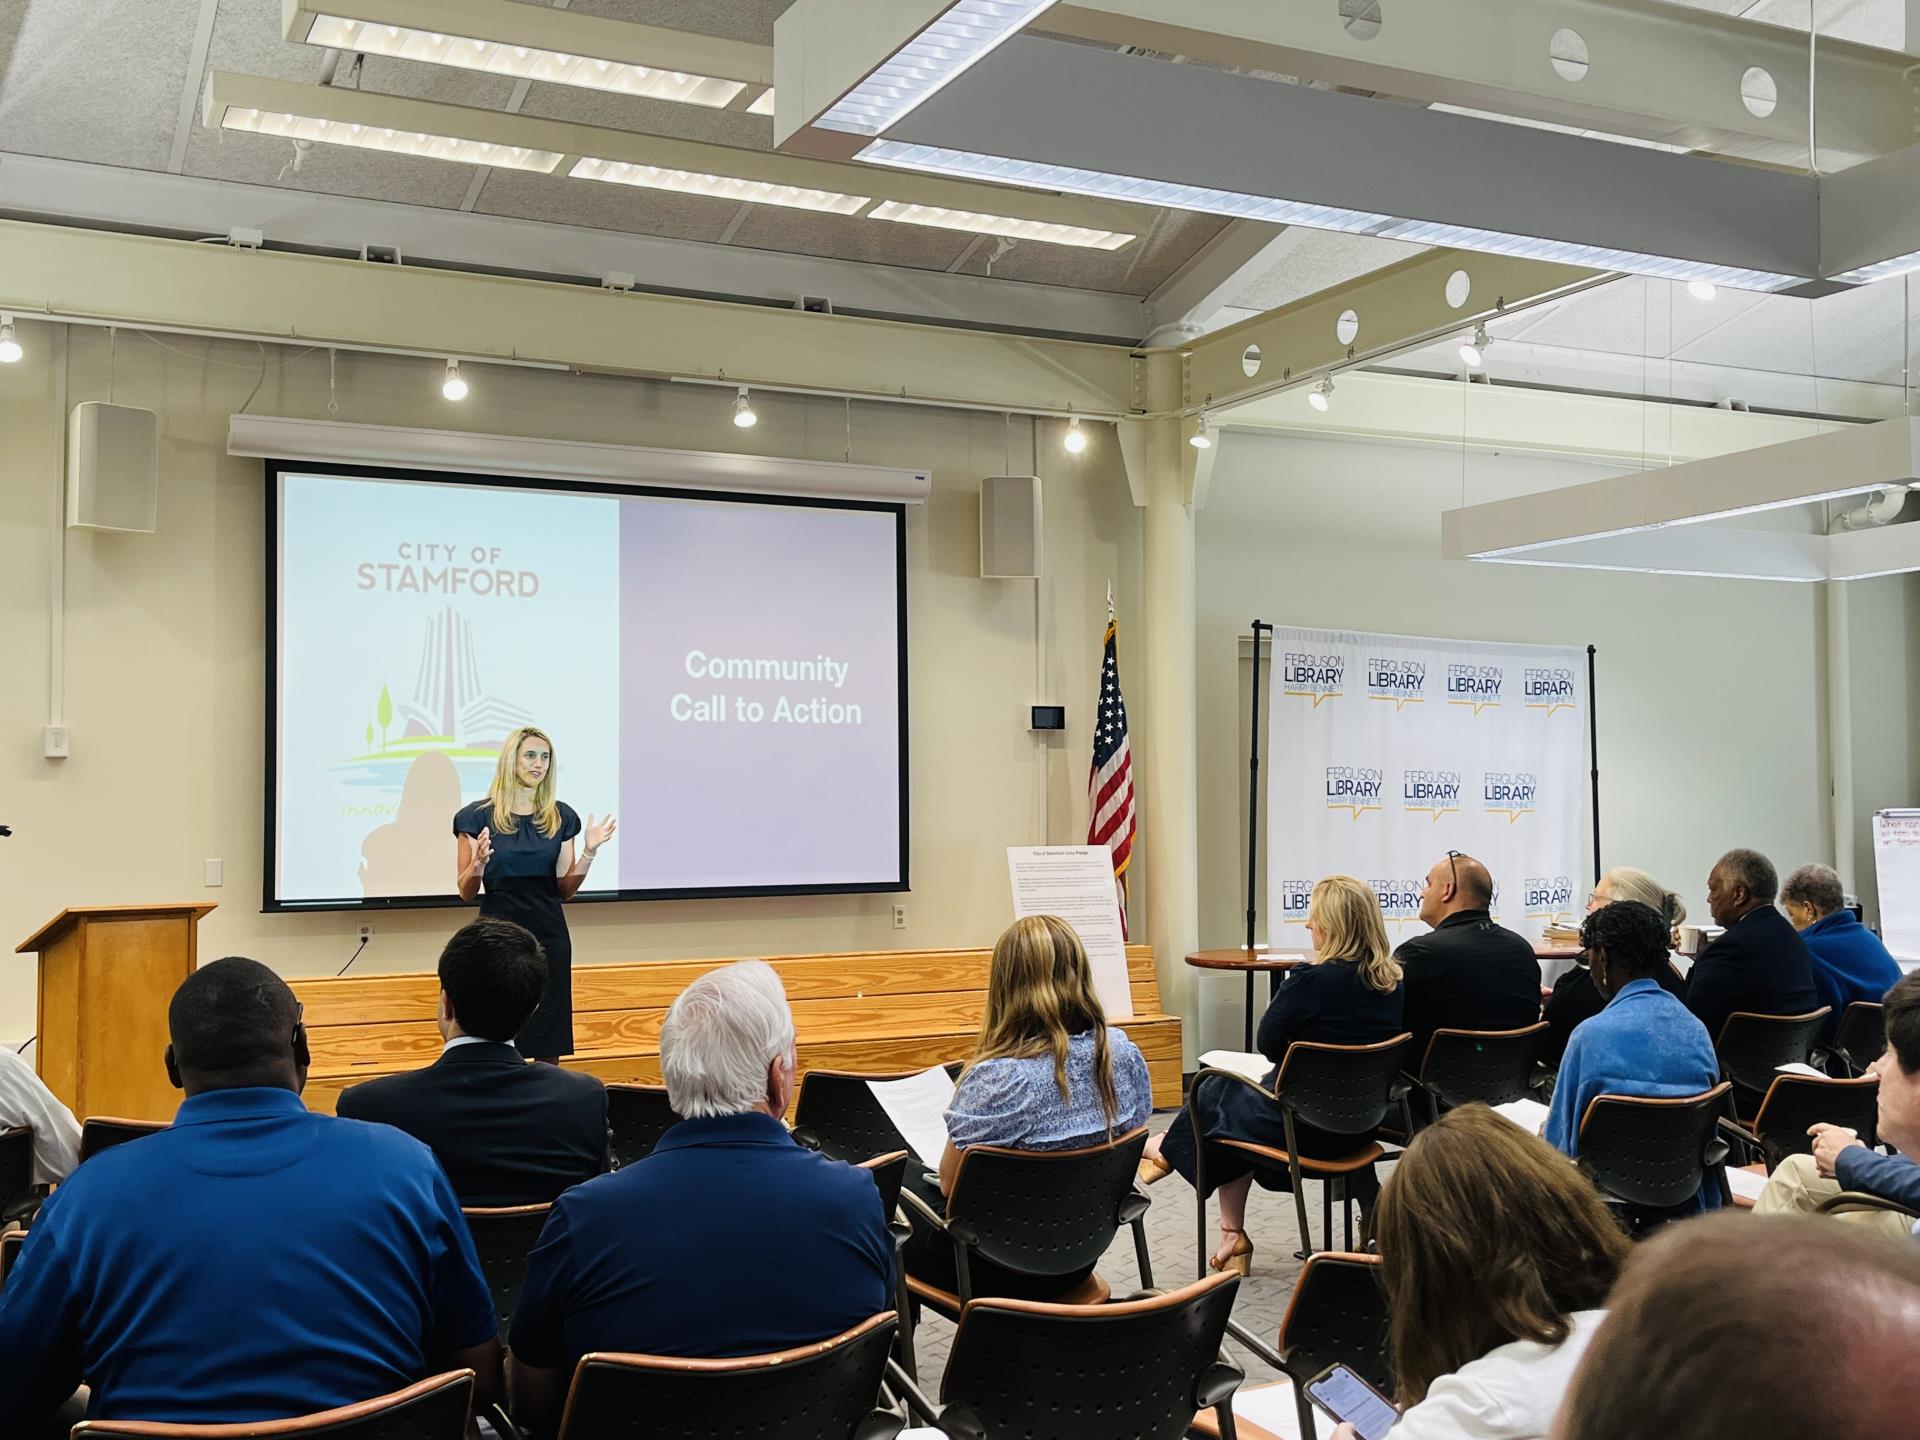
18 1197
1488 1066
12 1241
825 1391
437 1408
503 1237
1795 1103
1140 1368
1337 1315
889 1173
1752 1048
1860 1038
103 1132
1644 1153
1339 1089
1860 1200
1039 1213
835 1113
637 1116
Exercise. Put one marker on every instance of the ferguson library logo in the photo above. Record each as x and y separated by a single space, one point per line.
1475 686
1355 790
1510 794
1550 690
1430 792
1404 682
1399 900
1295 898
1313 677
1549 898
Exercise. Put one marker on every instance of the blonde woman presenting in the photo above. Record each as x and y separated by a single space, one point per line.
517 855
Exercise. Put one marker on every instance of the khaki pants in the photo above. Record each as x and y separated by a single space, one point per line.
1797 1187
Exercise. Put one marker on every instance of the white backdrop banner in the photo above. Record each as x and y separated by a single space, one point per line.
1387 751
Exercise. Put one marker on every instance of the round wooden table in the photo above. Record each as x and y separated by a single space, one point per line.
1249 962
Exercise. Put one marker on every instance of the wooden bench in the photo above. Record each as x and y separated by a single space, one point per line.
885 1010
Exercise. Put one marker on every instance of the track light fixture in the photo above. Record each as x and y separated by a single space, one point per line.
1473 352
453 387
1321 396
1202 437
1076 440
10 350
743 415
1702 289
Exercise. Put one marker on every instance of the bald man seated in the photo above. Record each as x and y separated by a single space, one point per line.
1466 973
1760 1327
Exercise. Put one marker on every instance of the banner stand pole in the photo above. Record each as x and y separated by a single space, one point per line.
1593 757
1253 826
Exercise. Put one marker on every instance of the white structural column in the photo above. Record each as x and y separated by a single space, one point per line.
1169 779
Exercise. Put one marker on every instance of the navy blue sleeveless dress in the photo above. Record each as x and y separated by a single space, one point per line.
520 884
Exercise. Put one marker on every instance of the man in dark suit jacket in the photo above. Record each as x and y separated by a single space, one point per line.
1760 964
1467 973
506 1132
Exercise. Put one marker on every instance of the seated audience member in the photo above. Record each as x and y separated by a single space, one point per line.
729 1239
1644 1042
252 1262
1496 1257
1849 962
24 1100
1466 973
506 1132
1574 999
1737 1327
1760 964
1349 994
1841 1162
1047 1073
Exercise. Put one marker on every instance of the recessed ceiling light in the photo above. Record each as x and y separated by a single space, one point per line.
393 139
721 187
969 220
966 31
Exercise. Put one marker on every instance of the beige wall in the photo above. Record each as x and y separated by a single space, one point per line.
164 653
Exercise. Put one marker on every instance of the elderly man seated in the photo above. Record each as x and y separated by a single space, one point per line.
1841 1162
729 1239
1849 962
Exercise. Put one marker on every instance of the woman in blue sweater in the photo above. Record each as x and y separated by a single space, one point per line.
1849 962
1349 994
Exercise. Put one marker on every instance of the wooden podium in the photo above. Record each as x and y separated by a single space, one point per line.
106 975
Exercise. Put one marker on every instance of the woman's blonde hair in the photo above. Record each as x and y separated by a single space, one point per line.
1347 914
1039 996
1487 1235
506 780
1626 883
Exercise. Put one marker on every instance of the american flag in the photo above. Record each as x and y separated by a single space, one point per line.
1110 818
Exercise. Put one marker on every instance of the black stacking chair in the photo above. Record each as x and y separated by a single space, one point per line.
11 1243
103 1132
1860 1037
1140 1368
1341 1089
1490 1066
436 1408
1336 1316
826 1391
504 1236
1752 1048
638 1115
836 1114
1648 1155
1039 1213
889 1173
1795 1102
18 1197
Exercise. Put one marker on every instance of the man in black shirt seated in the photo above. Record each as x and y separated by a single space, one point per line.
1760 964
1467 973
505 1131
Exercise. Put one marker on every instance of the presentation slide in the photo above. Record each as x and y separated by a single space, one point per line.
724 674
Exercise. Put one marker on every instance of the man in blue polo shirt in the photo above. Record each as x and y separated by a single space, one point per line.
729 1239
253 1262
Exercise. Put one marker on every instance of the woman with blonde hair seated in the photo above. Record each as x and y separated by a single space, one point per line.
1496 1256
1047 1073
1349 994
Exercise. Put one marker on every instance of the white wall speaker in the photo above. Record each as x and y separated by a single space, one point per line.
1012 546
113 468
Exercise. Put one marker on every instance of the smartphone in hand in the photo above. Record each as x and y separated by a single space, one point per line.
1352 1401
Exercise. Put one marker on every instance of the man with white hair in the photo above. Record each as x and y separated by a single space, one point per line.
729 1239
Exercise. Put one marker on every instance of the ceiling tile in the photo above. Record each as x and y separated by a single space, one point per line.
327 169
562 201
750 20
1169 241
1321 260
847 237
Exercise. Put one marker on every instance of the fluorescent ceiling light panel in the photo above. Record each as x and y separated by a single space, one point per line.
393 139
1132 190
1882 270
762 106
944 219
522 62
967 31
720 187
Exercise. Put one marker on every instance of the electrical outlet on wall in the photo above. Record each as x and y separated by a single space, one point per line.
366 934
899 917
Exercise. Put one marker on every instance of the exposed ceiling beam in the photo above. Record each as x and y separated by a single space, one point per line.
103 196
1196 293
1658 71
